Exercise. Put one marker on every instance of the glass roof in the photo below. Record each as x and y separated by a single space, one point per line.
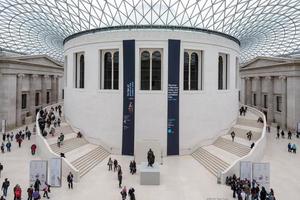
264 27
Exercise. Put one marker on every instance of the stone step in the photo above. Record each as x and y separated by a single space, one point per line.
68 145
232 147
242 131
249 122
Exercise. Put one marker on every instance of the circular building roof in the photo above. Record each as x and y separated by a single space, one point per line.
263 27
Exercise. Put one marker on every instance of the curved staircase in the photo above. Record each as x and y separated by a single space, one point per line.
218 156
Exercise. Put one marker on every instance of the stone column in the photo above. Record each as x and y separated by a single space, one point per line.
32 95
249 91
284 101
270 89
19 99
53 89
44 90
258 92
243 90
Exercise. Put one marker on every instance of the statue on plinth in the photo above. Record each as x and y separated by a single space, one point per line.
151 158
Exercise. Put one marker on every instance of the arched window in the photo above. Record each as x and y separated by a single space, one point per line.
156 70
116 71
220 73
194 71
107 71
81 76
145 70
186 79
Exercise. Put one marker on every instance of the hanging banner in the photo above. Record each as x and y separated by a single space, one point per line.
55 172
246 170
261 174
38 170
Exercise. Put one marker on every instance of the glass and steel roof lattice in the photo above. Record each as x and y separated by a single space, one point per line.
264 27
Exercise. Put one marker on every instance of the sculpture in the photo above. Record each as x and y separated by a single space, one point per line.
151 158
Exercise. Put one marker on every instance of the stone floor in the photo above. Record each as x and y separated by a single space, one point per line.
182 178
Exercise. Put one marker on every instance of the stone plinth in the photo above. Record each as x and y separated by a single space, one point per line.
149 175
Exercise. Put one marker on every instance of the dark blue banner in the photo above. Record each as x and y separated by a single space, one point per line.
173 97
128 97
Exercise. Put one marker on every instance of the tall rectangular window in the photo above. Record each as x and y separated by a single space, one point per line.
109 69
223 71
279 103
265 101
79 70
24 101
192 70
254 99
65 70
48 97
150 69
37 99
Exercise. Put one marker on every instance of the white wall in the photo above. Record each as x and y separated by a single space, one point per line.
98 113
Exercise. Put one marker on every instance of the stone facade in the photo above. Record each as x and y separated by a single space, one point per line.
27 83
272 85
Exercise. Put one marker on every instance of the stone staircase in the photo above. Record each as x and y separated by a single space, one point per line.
218 156
83 155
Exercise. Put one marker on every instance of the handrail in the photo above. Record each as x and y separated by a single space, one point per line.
259 146
48 153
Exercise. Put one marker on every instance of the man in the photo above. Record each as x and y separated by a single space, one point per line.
8 146
30 192
46 190
5 186
278 129
115 165
289 135
110 163
232 135
37 184
120 176
1 168
70 180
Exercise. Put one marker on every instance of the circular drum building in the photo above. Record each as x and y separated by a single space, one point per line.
176 86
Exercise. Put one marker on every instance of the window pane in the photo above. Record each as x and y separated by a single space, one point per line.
48 97
24 101
194 71
116 70
220 73
81 78
279 103
156 71
186 71
265 101
107 70
145 71
37 99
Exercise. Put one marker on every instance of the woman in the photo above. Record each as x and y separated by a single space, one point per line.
124 193
120 176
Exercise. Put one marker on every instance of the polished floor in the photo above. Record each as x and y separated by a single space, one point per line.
182 178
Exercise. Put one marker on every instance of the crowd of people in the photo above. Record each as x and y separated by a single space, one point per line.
248 190
113 165
292 147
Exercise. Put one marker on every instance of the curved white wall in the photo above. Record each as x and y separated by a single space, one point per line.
99 113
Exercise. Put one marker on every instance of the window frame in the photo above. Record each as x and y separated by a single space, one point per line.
199 54
77 70
112 52
26 101
225 71
278 108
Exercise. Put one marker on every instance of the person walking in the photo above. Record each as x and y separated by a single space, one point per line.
294 148
120 176
29 193
278 129
124 193
1 168
37 184
110 163
46 190
33 149
289 135
2 147
70 180
263 194
232 135
17 192
5 186
115 165
19 140
8 146
36 195
131 194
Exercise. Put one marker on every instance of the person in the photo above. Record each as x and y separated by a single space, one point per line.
252 145
19 140
2 147
34 129
37 184
62 155
268 129
58 122
5 186
110 163
79 135
124 193
2 198
150 157
46 190
62 137
58 142
120 173
271 194
33 149
36 195
278 129
1 168
289 147
232 135
115 165
263 194
3 137
28 135
29 193
70 180
11 136
133 167
8 146
17 192
277 137
289 135
131 194
260 120
294 148
249 135
282 133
